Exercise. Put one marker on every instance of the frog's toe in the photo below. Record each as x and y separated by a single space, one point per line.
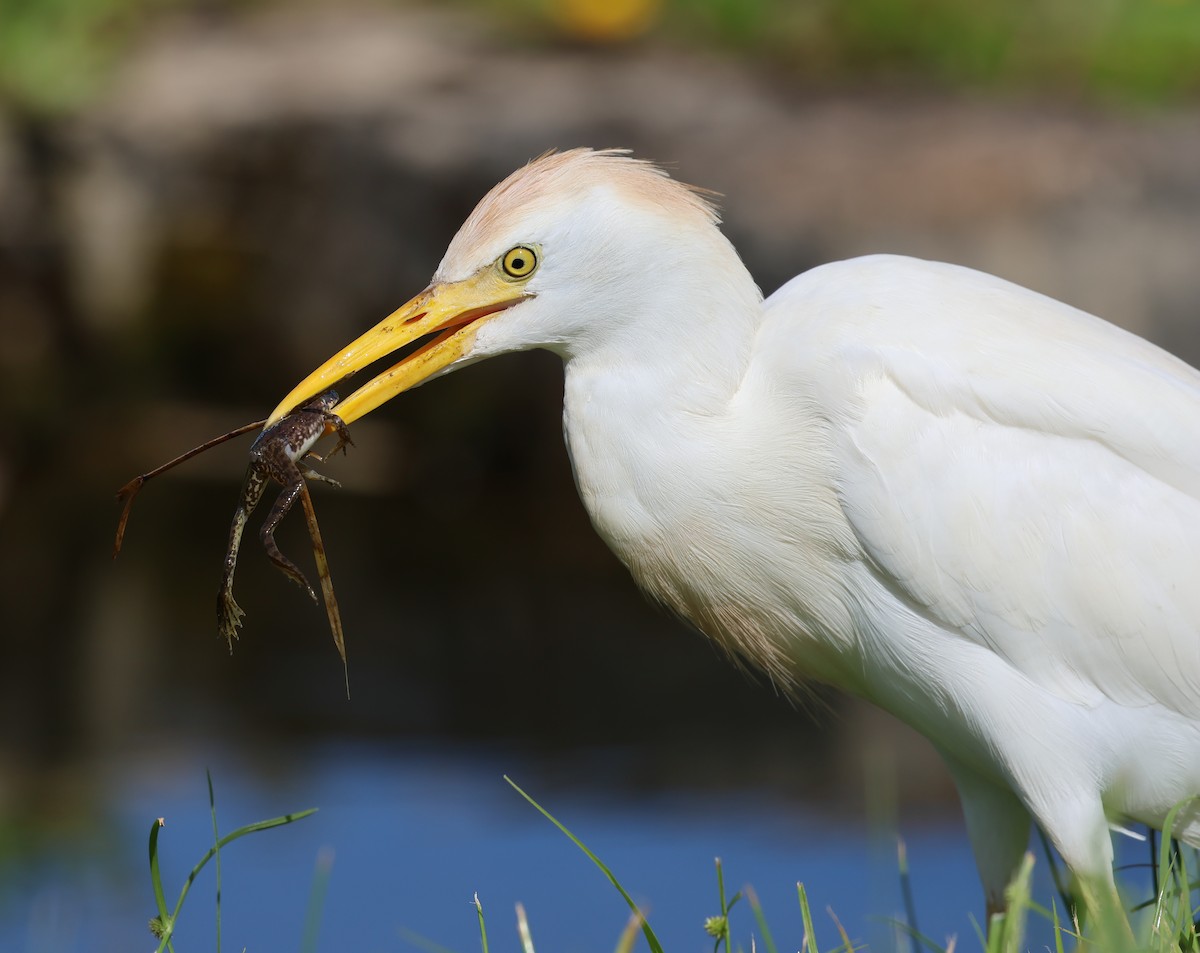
307 587
343 439
229 618
292 571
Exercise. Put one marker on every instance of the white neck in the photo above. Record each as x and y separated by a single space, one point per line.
684 346
643 408
652 422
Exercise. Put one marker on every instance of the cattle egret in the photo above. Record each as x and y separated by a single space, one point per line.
970 504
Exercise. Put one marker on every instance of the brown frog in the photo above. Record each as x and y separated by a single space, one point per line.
279 455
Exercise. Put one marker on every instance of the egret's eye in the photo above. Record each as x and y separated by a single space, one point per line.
519 262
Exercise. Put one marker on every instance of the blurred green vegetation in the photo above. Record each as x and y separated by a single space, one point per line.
1136 51
54 54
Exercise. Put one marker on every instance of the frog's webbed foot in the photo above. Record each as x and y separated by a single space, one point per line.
229 616
267 534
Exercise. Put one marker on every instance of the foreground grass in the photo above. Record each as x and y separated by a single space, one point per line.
163 924
1164 924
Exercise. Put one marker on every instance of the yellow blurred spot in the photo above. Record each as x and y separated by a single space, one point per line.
604 21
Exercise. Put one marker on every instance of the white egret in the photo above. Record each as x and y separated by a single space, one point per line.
970 504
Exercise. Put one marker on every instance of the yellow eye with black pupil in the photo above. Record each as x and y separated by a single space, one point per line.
519 262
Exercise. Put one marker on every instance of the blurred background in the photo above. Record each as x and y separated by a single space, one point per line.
200 200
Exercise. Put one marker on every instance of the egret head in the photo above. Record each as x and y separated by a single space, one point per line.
562 251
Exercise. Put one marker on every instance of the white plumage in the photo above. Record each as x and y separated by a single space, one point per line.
975 506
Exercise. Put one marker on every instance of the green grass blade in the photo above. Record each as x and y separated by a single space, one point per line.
810 935
322 872
264 826
1187 911
633 926
523 930
723 906
482 926
720 928
996 933
906 893
1166 866
1017 897
1178 931
847 946
212 808
1060 883
222 842
761 919
651 939
979 934
421 942
916 939
1058 930
161 926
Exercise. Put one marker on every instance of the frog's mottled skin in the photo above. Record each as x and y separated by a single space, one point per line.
277 455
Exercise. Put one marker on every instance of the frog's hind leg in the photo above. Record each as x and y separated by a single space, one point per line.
229 613
283 503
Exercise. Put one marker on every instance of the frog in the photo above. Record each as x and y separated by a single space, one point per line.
279 455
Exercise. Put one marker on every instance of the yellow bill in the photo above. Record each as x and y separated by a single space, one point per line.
451 312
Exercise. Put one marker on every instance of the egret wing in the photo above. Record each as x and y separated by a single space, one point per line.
1025 473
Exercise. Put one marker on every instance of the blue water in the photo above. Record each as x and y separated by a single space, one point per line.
413 833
